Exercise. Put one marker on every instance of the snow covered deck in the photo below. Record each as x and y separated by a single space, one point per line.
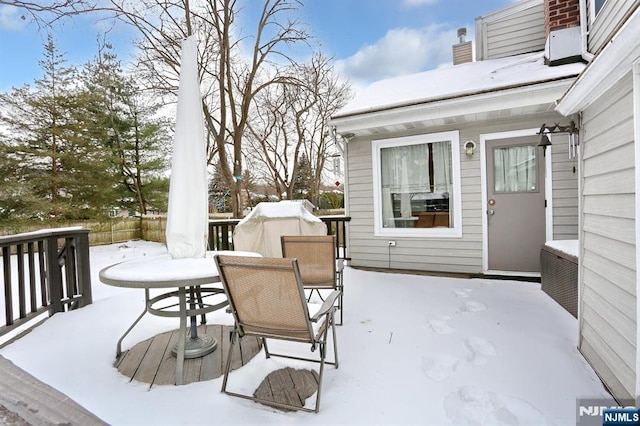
413 349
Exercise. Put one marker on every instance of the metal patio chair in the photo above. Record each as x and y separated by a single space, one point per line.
319 268
267 300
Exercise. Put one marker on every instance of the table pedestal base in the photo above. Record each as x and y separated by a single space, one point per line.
197 347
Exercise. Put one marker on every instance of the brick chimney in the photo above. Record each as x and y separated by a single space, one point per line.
562 28
559 14
463 51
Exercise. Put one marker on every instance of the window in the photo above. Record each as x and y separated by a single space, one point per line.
595 7
515 169
417 186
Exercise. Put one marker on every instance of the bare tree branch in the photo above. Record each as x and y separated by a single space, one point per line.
45 13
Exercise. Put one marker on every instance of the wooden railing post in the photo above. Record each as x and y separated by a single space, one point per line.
43 278
54 275
84 268
221 233
8 293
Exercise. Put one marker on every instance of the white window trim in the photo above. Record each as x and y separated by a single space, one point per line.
636 129
455 198
592 10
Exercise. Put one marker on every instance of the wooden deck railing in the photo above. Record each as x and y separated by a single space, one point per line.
43 271
221 233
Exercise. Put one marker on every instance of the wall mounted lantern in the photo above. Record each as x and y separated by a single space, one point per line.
469 147
571 129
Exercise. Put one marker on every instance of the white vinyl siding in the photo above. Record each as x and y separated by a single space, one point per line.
565 189
513 30
463 254
608 271
611 15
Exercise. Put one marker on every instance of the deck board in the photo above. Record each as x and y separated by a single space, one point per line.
25 400
149 365
288 386
152 362
130 363
212 365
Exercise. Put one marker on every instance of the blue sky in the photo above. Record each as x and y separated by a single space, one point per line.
369 39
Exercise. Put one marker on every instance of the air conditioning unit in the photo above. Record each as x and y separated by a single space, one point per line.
563 46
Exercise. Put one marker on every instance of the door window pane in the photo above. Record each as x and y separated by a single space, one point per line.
597 5
515 169
416 184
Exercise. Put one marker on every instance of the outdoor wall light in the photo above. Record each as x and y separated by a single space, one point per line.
469 147
556 128
348 136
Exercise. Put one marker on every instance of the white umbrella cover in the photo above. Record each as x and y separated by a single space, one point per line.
187 216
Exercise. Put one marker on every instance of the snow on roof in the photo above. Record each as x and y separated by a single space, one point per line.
464 79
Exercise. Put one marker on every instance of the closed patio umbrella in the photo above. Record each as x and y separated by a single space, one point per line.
187 216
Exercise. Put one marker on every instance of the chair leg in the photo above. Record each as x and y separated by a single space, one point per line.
234 338
323 355
340 304
335 341
266 349
320 375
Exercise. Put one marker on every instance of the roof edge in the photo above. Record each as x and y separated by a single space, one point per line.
606 69
480 93
546 93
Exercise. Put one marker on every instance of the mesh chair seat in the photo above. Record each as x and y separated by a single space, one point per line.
267 300
319 268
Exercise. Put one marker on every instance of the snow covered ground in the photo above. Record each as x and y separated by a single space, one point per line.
413 350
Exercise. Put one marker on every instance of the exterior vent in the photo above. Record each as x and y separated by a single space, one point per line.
463 51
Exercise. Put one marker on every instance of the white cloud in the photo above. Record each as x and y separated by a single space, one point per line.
418 3
401 51
11 18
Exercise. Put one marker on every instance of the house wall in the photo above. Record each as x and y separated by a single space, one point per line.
608 252
565 189
513 30
464 254
611 15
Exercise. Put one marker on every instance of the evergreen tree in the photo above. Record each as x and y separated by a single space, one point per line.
137 140
303 179
76 148
59 166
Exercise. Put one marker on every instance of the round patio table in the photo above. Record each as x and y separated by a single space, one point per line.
164 272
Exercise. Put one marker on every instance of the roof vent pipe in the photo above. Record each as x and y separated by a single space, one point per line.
463 51
462 34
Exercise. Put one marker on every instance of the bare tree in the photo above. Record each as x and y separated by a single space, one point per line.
290 126
45 13
274 135
231 80
332 93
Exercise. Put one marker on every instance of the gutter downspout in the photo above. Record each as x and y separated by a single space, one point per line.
584 33
342 147
339 145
